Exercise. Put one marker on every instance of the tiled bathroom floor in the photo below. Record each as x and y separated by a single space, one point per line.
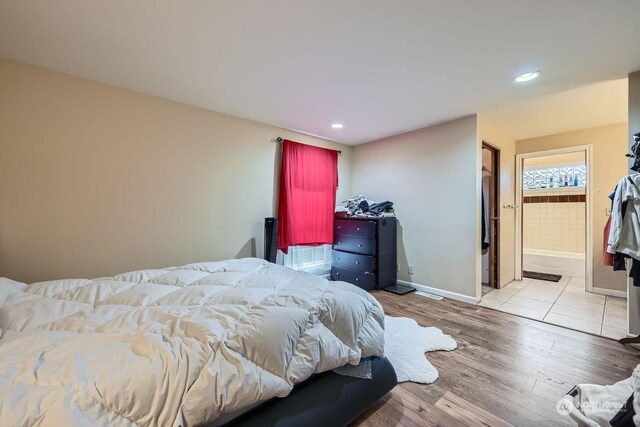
565 304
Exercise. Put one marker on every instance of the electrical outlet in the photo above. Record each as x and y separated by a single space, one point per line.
411 269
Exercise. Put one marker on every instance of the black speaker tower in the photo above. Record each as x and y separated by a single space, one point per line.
270 239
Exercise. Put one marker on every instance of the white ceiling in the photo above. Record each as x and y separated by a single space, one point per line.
381 67
585 107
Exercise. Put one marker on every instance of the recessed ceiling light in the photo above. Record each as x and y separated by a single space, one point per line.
337 125
527 77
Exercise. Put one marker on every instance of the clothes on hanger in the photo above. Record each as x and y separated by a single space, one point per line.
607 258
624 232
635 150
486 208
624 227
624 235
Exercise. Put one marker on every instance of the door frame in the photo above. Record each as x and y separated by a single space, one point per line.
494 219
588 150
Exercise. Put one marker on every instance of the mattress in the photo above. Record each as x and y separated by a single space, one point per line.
174 346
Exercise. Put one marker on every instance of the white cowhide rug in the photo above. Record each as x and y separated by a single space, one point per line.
405 346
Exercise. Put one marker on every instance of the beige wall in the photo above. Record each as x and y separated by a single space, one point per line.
433 177
95 180
609 165
494 136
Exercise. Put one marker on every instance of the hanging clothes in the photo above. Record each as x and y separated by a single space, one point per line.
607 258
486 208
624 233
635 150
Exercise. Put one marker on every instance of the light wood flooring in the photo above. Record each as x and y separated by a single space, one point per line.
507 370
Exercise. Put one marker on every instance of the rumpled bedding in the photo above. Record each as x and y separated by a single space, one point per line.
597 405
174 346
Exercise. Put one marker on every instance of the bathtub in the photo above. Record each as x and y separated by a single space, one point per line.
554 262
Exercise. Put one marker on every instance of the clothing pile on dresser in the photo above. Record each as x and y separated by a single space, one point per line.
362 206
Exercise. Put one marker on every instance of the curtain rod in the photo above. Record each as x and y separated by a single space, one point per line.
280 139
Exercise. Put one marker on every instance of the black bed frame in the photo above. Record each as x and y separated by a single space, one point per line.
324 400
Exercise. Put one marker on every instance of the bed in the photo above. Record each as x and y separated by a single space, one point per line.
203 344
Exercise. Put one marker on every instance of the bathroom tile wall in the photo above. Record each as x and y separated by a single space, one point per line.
554 226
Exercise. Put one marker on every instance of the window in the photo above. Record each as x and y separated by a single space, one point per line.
306 205
307 197
313 259
553 177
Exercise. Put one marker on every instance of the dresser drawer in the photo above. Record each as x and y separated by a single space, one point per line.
352 261
355 245
356 228
361 279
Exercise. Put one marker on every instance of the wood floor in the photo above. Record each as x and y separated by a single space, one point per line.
507 370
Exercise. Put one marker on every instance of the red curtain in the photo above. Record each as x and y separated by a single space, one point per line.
307 201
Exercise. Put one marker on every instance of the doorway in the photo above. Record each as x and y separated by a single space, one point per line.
553 222
554 241
554 218
490 217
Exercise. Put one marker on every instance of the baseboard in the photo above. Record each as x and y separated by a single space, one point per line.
442 293
610 292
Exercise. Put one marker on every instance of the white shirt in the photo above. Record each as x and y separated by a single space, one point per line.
624 236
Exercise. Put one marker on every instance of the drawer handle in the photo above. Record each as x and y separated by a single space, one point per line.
339 227
357 279
339 243
358 228
337 274
359 246
357 262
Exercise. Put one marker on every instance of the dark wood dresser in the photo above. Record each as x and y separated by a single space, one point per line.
364 252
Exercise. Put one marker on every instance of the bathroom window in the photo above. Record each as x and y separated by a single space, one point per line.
556 176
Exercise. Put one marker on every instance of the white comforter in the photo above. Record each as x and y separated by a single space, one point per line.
173 346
